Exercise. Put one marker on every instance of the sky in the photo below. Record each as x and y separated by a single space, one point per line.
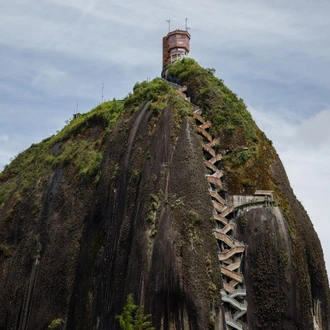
275 55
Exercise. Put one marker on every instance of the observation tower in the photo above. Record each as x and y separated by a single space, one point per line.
176 45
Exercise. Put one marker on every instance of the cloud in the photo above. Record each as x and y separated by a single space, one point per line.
264 40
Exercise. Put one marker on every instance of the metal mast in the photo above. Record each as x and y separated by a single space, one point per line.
169 25
186 25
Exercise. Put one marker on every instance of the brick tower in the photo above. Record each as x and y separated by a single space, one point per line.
175 46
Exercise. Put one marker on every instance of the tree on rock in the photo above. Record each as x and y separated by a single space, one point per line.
133 317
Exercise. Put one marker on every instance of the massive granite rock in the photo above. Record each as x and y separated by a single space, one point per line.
118 203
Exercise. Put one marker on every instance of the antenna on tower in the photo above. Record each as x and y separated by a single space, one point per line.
77 108
186 25
169 25
102 92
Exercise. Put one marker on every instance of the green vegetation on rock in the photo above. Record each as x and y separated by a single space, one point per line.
133 317
241 142
147 91
78 146
220 105
55 324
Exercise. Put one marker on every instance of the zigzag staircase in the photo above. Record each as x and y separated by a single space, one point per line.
231 251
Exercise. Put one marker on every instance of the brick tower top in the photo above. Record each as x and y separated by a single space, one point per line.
176 45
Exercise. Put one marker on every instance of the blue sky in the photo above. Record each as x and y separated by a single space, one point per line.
274 55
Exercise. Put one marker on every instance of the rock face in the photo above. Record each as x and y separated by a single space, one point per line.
119 203
156 228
